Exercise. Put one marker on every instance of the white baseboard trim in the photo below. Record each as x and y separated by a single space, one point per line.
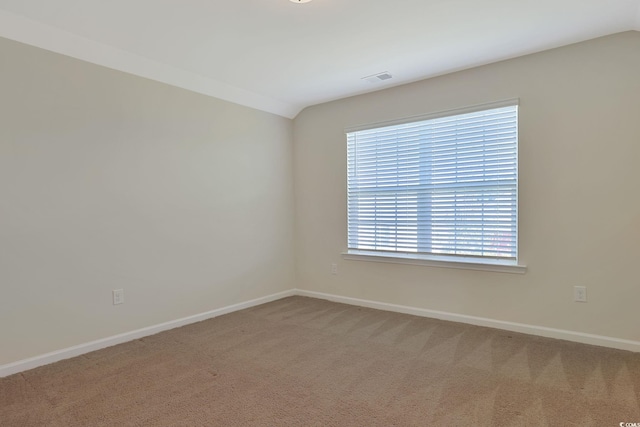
45 359
77 350
543 331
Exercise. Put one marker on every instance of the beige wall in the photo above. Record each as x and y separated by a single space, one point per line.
112 181
579 192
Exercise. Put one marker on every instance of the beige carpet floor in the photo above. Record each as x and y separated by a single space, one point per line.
307 362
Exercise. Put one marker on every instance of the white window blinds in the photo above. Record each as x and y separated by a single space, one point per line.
444 186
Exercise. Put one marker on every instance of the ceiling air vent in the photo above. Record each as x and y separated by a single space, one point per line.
376 78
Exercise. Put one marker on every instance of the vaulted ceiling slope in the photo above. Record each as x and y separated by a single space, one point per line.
281 57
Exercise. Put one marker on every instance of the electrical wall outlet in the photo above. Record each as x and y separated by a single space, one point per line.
334 268
580 293
118 296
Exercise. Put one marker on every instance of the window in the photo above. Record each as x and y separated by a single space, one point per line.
444 187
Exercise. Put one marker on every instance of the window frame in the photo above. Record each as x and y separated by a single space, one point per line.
437 260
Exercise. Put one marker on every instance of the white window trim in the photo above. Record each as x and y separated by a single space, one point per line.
444 261
440 261
446 113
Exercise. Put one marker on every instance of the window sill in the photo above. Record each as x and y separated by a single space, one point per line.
436 261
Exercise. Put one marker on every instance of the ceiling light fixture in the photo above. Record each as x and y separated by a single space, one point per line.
299 1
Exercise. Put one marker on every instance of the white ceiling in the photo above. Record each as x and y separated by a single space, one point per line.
280 57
